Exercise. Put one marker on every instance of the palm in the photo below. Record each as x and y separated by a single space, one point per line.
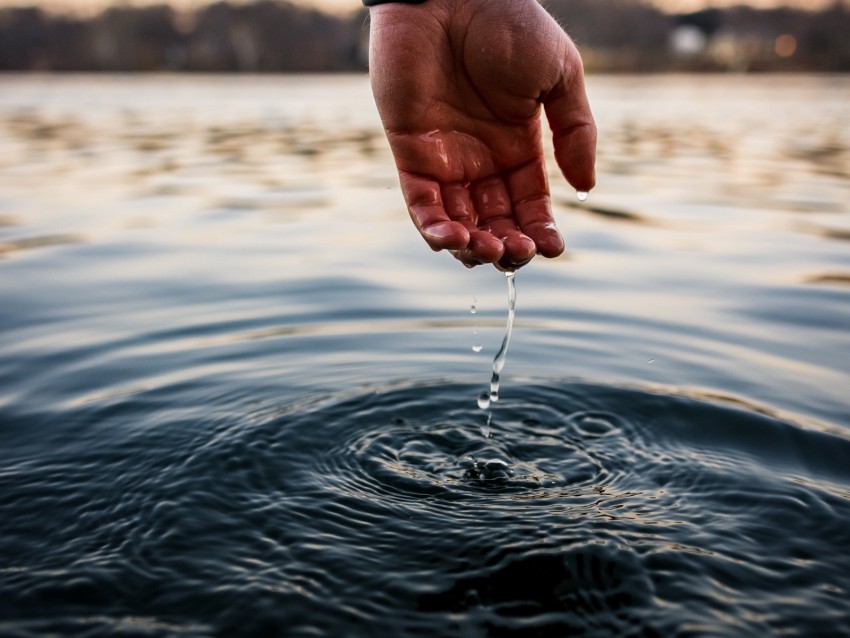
460 103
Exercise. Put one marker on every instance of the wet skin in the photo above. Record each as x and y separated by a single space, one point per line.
461 86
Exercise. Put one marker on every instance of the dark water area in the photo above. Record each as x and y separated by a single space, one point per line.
238 394
590 510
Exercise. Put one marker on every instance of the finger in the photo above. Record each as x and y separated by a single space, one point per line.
425 205
573 128
491 200
519 248
483 248
505 265
458 202
495 215
529 190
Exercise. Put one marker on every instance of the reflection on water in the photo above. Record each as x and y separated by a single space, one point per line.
28 243
828 278
236 390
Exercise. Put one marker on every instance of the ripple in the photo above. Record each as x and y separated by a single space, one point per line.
587 589
41 241
414 449
591 510
594 423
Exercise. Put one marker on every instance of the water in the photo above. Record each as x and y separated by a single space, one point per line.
236 389
486 398
502 354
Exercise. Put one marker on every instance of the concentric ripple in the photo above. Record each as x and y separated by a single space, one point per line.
419 451
591 510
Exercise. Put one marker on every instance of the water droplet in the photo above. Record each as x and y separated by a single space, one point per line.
494 469
477 347
582 196
594 424
484 400
473 309
651 361
501 355
485 429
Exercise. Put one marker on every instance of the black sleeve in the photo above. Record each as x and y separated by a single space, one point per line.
372 3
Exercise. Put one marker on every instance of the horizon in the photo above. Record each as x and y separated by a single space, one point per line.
349 6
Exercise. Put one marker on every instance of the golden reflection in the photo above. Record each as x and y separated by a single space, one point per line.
42 241
828 233
842 279
607 213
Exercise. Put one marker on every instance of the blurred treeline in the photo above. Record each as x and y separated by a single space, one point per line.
271 36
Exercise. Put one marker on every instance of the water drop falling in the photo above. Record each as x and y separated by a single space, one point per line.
476 347
485 429
582 196
501 355
484 401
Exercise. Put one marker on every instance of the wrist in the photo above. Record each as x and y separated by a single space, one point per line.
375 3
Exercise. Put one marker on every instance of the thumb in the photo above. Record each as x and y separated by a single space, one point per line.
573 129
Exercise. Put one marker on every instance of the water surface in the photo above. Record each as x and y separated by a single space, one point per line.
238 393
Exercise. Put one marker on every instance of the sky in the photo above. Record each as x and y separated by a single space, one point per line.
88 6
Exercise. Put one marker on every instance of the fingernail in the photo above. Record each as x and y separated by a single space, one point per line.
440 230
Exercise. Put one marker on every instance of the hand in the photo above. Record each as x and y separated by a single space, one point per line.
459 86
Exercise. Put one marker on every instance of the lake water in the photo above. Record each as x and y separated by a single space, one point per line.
238 392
